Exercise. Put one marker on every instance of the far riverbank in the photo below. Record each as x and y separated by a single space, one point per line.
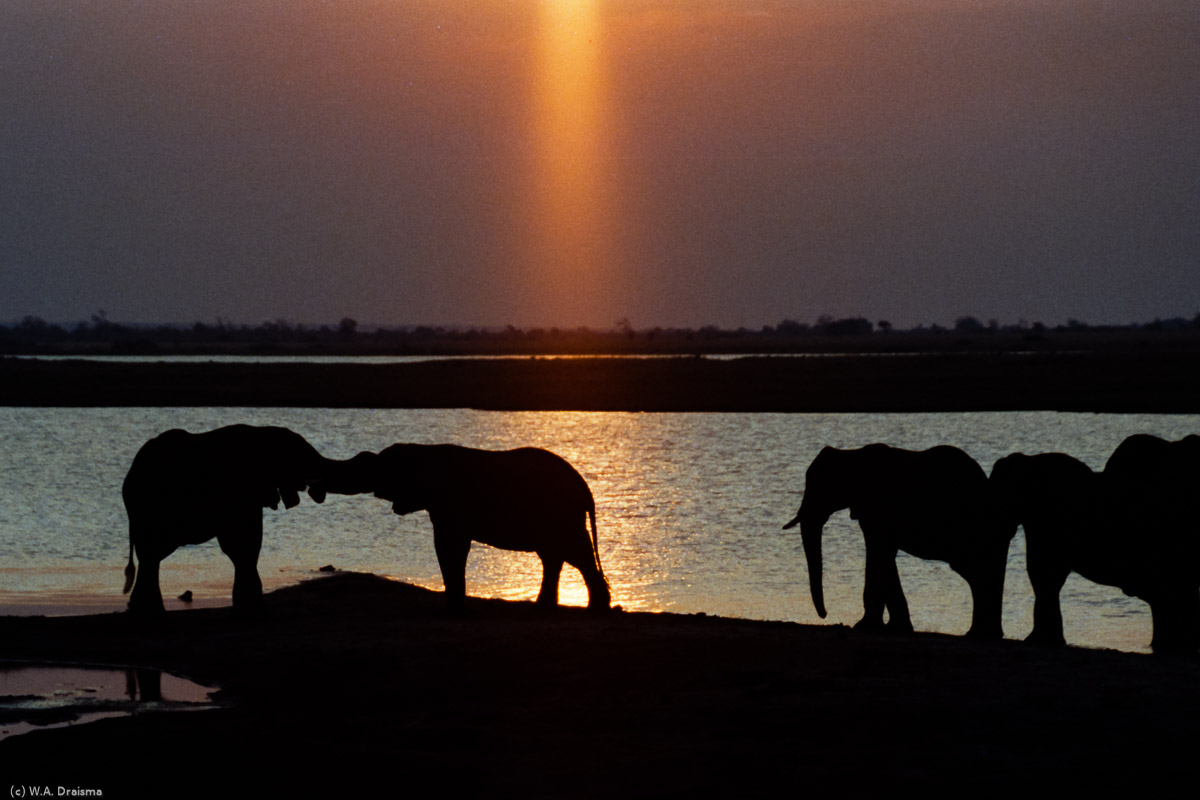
1125 382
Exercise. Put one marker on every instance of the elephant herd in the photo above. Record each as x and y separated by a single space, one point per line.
1134 525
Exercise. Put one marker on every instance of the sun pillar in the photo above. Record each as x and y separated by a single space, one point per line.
568 257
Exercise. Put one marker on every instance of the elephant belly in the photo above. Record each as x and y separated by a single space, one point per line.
525 533
177 524
1132 575
510 541
929 542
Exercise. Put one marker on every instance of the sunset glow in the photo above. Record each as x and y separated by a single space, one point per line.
558 163
568 248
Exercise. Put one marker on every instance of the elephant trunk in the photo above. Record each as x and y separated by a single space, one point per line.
811 536
355 475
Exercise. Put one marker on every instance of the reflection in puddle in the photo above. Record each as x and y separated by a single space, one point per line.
50 696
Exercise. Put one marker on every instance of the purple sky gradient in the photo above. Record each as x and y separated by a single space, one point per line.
749 162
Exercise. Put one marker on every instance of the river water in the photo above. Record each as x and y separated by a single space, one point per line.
689 509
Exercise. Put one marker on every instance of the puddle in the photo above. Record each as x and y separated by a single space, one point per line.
38 696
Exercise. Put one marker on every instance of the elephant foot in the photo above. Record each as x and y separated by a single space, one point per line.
985 632
599 598
1046 639
248 599
145 611
146 606
899 626
865 624
1173 646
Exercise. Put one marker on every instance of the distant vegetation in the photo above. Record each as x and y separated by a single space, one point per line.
99 335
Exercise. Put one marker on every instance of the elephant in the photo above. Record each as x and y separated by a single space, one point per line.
1132 526
526 499
236 471
1146 469
933 504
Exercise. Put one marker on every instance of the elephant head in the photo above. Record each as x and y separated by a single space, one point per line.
277 463
827 490
408 477
1148 472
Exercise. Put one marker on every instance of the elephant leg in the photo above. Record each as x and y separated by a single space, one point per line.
1176 615
579 554
896 603
986 579
146 599
599 596
551 570
881 589
452 549
242 544
1047 574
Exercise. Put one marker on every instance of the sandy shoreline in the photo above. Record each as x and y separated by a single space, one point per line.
351 680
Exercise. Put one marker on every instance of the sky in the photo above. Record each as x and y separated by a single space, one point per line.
562 163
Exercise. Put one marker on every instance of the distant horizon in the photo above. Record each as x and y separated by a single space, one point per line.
961 321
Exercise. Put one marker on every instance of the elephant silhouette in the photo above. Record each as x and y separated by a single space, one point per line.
236 471
1147 470
934 504
526 499
1133 526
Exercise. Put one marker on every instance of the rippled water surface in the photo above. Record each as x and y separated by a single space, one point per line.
689 509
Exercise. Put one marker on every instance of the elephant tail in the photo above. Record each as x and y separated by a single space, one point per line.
130 569
595 540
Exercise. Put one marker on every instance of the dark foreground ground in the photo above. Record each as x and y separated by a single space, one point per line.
1154 381
354 685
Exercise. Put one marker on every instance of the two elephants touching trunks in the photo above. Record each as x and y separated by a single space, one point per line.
1135 526
526 499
